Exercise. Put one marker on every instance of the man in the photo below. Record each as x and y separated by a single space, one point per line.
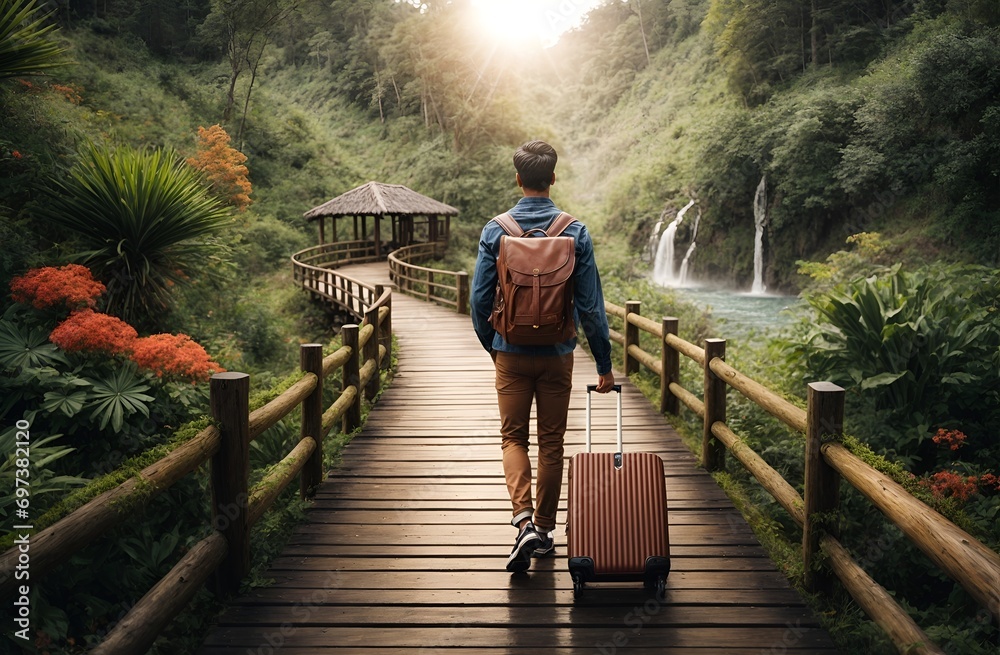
540 373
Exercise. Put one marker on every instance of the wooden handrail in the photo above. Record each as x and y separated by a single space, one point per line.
959 554
756 392
408 276
969 562
54 544
235 509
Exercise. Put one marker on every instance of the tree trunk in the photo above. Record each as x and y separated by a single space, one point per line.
642 30
814 36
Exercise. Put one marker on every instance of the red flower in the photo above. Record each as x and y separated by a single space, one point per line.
945 484
174 355
16 154
952 439
88 331
72 285
990 481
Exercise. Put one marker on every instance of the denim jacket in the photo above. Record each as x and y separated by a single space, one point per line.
538 212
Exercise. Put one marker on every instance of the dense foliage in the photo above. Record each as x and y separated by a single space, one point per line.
917 350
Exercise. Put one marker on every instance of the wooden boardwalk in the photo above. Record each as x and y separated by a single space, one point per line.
405 546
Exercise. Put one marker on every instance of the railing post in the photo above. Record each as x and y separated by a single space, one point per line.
430 283
821 493
670 368
631 365
713 451
311 361
462 283
385 329
229 398
371 353
352 377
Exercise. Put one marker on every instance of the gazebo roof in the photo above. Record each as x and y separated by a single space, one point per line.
377 199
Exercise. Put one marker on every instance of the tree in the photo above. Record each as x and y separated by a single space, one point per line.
143 219
462 85
26 45
246 27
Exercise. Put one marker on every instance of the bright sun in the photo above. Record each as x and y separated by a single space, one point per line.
520 21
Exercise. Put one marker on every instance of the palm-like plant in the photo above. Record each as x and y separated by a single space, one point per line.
25 44
145 221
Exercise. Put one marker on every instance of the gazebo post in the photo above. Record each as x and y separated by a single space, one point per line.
322 230
356 237
378 236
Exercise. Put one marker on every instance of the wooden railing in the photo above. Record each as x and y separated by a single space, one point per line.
314 270
449 288
827 461
235 507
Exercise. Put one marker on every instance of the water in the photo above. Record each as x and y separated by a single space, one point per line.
742 315
663 265
760 222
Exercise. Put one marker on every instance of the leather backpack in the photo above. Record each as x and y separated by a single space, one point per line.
533 305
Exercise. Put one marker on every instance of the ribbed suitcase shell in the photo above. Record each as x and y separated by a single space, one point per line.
617 516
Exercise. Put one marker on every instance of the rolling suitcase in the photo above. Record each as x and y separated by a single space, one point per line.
617 518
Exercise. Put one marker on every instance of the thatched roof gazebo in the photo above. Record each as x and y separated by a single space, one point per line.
415 218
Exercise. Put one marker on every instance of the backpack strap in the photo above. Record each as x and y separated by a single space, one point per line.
560 223
509 225
555 228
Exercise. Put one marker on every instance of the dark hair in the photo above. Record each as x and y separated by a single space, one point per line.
535 162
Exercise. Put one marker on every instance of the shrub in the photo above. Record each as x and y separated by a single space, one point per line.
144 221
88 374
918 349
174 356
223 167
26 45
72 286
87 331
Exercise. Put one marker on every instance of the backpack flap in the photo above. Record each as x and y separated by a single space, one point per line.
536 280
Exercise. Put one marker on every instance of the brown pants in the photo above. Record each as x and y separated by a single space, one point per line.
548 381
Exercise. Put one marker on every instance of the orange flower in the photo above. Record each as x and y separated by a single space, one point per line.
88 331
72 285
223 166
174 356
16 154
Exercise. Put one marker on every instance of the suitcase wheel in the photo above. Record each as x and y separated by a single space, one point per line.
658 585
578 585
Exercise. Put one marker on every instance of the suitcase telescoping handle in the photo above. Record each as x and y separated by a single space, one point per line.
590 389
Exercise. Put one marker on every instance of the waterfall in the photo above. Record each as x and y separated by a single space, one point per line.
653 241
663 265
683 276
760 221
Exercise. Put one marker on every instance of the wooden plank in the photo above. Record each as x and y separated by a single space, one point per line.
546 577
530 631
607 596
661 615
332 649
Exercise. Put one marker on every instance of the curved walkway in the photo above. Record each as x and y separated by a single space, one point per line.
404 549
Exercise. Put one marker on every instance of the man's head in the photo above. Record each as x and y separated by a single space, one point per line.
535 163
